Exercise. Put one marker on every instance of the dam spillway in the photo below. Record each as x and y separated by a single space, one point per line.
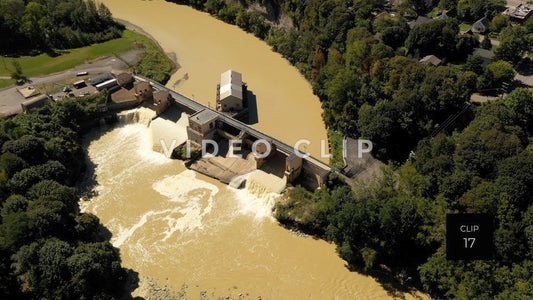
315 169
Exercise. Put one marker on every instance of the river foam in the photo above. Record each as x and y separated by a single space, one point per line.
192 197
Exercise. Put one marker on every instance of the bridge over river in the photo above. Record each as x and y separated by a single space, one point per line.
311 165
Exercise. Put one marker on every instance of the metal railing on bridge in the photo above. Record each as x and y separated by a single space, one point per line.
192 104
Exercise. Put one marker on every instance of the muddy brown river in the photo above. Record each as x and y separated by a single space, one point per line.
188 232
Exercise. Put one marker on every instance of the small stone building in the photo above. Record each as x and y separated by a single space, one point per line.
162 100
37 101
202 125
143 91
125 79
293 167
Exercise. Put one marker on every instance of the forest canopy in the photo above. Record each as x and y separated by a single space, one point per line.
45 25
48 248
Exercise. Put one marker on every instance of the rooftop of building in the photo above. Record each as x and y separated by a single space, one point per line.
142 86
124 78
204 116
521 11
122 95
101 78
231 77
431 59
161 96
483 53
419 21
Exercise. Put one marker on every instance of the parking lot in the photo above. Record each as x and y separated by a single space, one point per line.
10 98
85 90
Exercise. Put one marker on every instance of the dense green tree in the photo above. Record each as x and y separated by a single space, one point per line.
29 148
43 236
24 179
496 75
11 163
17 70
393 31
32 26
438 37
498 23
95 269
475 64
486 43
44 268
448 4
13 204
472 10
514 42
87 227
394 36
521 103
214 6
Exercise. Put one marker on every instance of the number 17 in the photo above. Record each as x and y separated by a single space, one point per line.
469 242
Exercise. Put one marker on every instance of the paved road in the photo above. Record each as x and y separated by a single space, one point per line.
10 98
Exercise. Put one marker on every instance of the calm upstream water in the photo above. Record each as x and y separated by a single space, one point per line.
183 230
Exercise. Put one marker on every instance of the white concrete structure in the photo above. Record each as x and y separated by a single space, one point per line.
231 94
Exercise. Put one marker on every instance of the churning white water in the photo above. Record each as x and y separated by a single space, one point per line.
188 231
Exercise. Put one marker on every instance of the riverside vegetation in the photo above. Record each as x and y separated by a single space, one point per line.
49 250
366 73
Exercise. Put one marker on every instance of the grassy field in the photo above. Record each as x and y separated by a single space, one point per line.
45 64
6 82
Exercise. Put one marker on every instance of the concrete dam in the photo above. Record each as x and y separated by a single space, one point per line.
206 123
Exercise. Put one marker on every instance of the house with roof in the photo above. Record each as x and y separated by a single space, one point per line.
431 60
485 54
419 21
446 13
230 95
202 125
481 26
520 13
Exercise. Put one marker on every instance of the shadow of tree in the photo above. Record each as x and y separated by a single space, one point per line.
396 285
132 283
525 67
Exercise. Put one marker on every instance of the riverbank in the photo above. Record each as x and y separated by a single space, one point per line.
171 55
